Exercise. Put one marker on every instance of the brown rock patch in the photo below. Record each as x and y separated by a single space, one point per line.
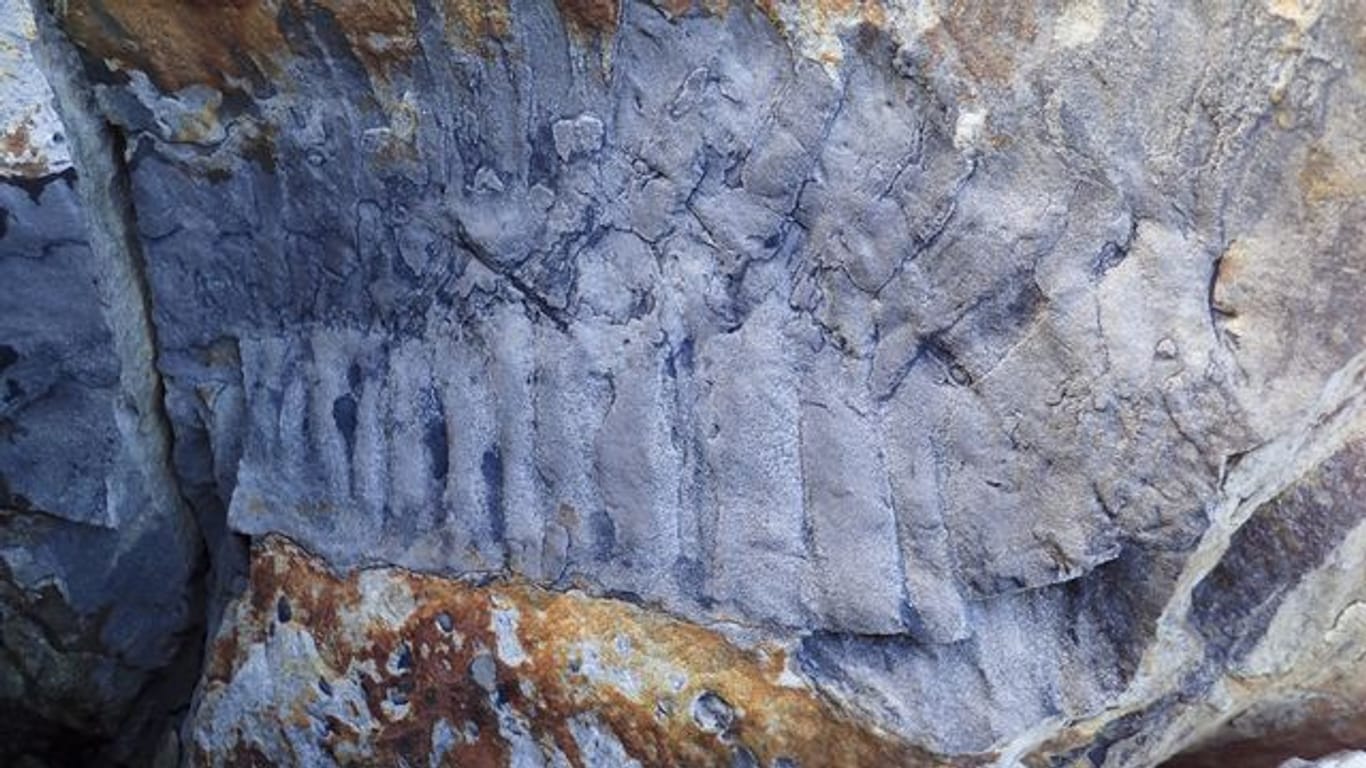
433 653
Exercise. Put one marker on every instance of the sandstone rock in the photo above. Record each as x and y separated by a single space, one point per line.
1002 364
385 665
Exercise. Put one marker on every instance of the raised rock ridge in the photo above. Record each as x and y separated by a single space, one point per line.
999 367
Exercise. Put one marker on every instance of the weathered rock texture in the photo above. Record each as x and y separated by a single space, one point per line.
845 383
386 666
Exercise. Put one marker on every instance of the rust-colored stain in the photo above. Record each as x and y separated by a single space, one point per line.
449 672
382 33
16 154
471 23
1323 178
590 16
989 36
231 44
16 141
228 43
1226 286
178 44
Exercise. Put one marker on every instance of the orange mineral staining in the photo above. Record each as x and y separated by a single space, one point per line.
451 663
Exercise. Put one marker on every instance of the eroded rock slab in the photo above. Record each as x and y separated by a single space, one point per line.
385 666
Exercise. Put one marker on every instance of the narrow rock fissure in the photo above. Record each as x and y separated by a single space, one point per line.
103 185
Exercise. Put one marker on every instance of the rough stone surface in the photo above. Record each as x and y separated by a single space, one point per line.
1346 759
32 140
1001 363
99 603
384 666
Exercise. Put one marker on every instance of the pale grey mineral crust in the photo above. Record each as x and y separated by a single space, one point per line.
1002 364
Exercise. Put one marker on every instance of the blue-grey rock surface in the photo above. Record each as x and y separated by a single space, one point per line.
1003 363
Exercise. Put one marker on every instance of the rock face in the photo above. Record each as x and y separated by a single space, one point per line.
386 665
99 554
777 383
